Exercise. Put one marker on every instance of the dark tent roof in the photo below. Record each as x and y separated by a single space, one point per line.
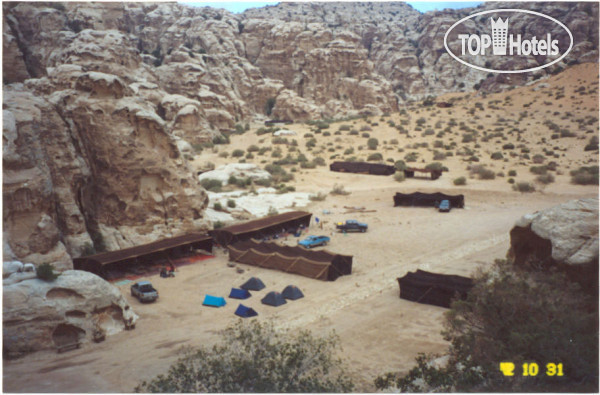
363 167
427 199
259 228
239 293
254 284
321 265
245 311
94 263
292 292
214 301
273 298
433 288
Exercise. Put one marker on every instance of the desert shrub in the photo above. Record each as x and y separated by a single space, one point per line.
511 180
349 151
482 173
437 155
263 182
344 127
512 173
319 161
279 140
253 148
319 197
237 153
365 128
223 154
400 165
538 158
460 181
308 165
436 166
365 135
375 157
218 206
211 184
592 145
218 225
585 175
508 146
512 315
497 155
399 176
45 272
523 187
538 169
338 189
254 357
231 203
545 178
411 157
220 139
372 143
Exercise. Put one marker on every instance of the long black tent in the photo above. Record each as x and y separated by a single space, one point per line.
363 168
428 199
433 288
262 227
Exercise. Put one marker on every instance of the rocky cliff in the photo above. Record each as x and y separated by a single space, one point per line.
101 100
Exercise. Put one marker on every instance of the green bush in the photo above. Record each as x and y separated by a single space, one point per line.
545 178
512 173
372 143
237 153
45 272
254 357
211 184
338 189
482 173
400 165
253 148
538 169
460 181
497 156
399 176
231 203
217 206
375 157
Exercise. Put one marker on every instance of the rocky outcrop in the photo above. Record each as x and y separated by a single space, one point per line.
76 307
565 236
240 171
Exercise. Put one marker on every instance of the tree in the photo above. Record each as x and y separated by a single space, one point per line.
516 316
255 357
45 272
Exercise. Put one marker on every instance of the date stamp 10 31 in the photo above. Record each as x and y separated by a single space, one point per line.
532 369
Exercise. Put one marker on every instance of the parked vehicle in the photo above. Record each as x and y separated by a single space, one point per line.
314 241
444 206
351 225
144 291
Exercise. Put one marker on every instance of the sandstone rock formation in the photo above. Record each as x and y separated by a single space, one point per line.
39 315
565 236
237 170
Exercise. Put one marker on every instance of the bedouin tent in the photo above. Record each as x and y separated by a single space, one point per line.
428 199
214 301
239 293
254 284
245 311
273 298
363 167
292 292
320 265
261 228
433 288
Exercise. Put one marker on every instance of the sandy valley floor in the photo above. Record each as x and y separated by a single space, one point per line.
379 332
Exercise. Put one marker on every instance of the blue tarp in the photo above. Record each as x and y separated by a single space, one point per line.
245 311
214 301
237 293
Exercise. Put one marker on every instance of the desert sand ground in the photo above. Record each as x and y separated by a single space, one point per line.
379 332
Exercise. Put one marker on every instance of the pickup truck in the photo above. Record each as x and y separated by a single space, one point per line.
351 225
144 291
314 241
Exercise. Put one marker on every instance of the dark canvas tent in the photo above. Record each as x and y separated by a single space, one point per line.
321 265
292 292
428 199
261 228
245 311
214 301
253 284
433 288
363 168
239 293
273 298
156 252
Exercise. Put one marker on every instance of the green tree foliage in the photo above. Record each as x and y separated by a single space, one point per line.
254 357
45 272
518 316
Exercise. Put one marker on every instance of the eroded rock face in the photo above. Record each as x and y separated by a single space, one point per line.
39 315
565 235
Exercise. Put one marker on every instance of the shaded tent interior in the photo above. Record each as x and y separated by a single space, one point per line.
433 288
161 251
320 265
363 168
428 199
433 173
261 228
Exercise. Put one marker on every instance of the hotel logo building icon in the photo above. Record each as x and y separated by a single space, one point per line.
499 36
